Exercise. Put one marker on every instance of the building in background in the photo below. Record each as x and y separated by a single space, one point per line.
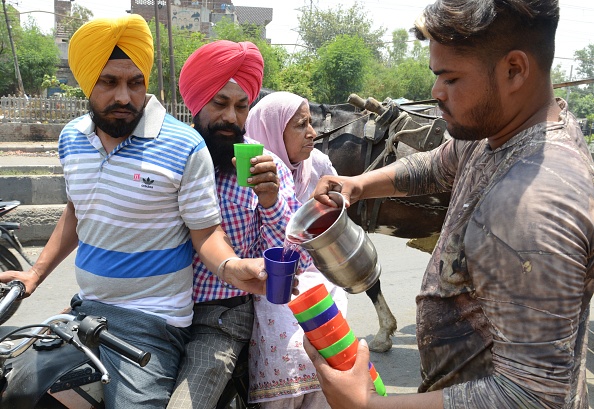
62 33
191 15
201 16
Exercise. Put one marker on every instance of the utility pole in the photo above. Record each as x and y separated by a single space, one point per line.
568 88
171 64
161 95
16 61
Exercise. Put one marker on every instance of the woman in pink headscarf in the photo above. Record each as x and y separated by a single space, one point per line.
281 373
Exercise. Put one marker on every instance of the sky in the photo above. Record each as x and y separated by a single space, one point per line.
574 32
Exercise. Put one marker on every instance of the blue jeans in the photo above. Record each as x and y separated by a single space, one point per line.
132 386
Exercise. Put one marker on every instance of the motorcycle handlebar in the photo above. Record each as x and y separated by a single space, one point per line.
111 341
16 290
93 331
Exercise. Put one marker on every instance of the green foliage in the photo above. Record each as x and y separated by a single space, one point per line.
273 56
585 57
78 16
415 79
582 105
37 55
589 126
379 82
340 69
320 27
581 98
8 83
296 74
68 91
399 49
410 78
296 80
185 43
558 76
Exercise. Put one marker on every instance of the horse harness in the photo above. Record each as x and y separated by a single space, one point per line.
399 126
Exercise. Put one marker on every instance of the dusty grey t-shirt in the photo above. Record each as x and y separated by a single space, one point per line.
503 309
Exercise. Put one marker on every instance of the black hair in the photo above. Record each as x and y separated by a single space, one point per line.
490 29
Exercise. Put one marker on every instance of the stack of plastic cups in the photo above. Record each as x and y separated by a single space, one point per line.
328 331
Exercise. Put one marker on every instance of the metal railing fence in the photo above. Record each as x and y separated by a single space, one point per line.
57 109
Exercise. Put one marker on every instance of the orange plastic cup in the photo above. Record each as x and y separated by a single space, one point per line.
346 365
343 355
331 337
326 328
372 372
308 299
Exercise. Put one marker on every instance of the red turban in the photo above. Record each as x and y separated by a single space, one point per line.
211 66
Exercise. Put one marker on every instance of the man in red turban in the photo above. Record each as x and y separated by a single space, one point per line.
218 83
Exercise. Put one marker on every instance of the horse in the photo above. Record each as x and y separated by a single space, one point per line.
363 135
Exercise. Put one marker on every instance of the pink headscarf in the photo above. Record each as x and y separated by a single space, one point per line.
211 66
266 123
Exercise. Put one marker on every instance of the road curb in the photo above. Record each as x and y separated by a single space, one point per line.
31 147
37 222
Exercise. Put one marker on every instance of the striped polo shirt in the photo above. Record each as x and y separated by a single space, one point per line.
135 207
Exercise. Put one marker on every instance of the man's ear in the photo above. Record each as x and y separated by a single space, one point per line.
517 69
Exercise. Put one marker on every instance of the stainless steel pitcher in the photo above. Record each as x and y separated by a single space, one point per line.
340 249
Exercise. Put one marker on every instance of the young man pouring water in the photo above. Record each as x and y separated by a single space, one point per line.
503 311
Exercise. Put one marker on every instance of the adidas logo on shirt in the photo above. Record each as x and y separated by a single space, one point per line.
147 183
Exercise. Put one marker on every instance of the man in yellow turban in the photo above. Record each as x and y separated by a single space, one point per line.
94 43
141 201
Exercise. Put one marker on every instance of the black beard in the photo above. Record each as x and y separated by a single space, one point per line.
485 116
116 128
219 146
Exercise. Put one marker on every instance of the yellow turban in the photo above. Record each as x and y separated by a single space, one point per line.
93 43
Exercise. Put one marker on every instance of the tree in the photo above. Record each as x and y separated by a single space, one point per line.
68 91
340 69
78 16
415 79
558 75
409 78
581 98
296 76
585 58
399 48
585 69
273 56
185 43
37 55
320 27
8 83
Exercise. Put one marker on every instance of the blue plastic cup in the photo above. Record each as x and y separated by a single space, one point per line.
281 273
320 319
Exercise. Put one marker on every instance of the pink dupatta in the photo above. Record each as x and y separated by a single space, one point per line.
266 123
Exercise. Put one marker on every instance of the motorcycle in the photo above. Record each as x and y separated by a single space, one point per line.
44 368
56 364
8 261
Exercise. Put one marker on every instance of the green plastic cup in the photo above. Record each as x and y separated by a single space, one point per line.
380 388
315 309
338 346
244 152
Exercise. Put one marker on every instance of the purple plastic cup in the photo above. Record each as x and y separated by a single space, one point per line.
320 319
281 273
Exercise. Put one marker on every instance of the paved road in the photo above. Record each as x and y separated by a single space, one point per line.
402 269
